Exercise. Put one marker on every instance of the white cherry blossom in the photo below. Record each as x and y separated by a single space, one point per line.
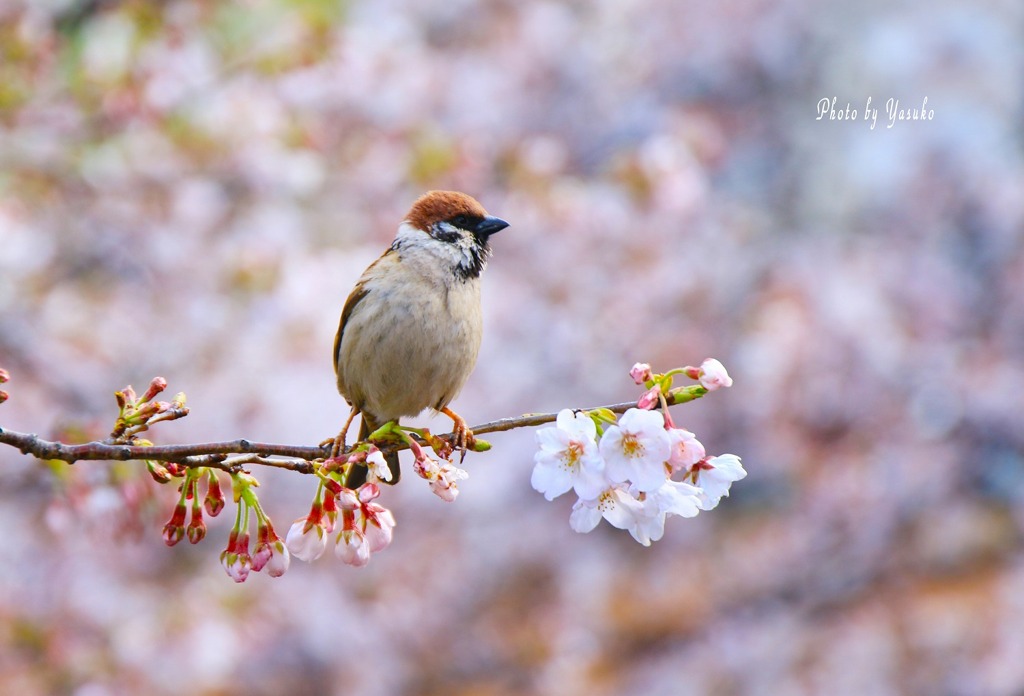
636 449
568 458
715 475
686 449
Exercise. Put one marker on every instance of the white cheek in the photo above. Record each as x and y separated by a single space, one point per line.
416 242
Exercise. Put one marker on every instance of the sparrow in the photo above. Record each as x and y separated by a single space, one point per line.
410 330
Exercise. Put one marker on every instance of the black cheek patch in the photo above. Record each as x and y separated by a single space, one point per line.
445 235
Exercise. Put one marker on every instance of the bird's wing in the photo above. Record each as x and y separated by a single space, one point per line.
360 291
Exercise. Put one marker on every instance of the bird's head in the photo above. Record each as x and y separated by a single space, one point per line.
452 226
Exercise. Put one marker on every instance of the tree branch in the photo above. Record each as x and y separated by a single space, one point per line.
215 454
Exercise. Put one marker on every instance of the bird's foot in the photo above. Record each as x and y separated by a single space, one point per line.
460 429
337 442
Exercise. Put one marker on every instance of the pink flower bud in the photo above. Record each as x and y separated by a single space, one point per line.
261 555
649 399
174 530
348 499
5 376
155 387
214 501
367 492
270 552
159 472
332 486
196 527
3 396
352 548
640 372
146 411
305 540
280 561
235 558
713 375
328 514
380 525
236 565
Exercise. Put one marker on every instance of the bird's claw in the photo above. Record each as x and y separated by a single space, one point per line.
337 442
462 436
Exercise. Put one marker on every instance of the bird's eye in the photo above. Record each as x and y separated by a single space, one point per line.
461 221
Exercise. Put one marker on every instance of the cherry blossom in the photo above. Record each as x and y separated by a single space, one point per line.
568 458
715 475
614 504
378 469
445 485
636 449
443 478
686 449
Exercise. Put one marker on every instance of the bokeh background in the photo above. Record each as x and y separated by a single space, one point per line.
190 188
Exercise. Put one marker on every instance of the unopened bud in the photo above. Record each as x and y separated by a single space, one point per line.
174 530
214 501
713 375
335 463
261 555
640 372
5 376
348 499
159 472
650 398
155 387
3 396
196 527
146 411
603 415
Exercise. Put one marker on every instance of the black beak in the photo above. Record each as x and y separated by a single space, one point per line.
488 226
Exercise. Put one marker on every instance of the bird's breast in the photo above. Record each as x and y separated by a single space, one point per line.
410 346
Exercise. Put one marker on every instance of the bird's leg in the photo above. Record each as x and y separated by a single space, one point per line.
337 443
463 435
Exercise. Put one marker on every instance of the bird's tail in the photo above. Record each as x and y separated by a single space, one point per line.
357 476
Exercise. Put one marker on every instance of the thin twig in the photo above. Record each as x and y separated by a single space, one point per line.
215 454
